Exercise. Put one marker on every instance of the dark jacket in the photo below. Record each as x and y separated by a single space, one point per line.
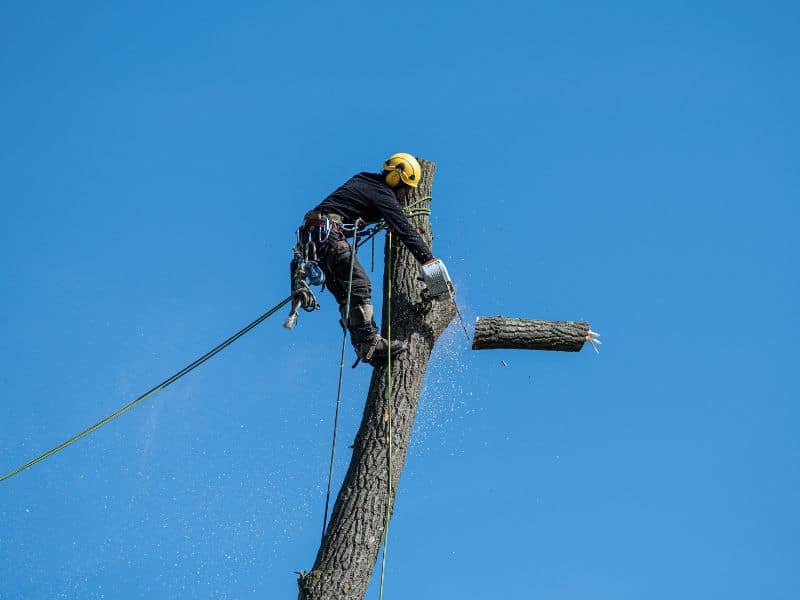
367 196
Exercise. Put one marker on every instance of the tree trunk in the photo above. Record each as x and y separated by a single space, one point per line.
525 334
349 549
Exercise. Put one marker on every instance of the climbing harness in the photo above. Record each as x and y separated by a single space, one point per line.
188 368
345 323
316 229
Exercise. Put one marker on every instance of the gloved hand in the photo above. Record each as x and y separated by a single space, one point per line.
436 278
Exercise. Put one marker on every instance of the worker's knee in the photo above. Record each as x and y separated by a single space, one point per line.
360 314
361 292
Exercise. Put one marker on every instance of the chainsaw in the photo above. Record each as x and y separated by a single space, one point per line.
440 286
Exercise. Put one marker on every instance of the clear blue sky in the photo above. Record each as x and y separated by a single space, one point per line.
633 165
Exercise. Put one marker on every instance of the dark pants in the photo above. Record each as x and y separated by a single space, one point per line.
333 257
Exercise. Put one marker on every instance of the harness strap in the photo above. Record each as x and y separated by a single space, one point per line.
320 223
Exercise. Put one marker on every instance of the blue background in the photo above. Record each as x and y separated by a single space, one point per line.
633 165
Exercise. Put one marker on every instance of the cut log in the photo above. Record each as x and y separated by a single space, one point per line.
526 334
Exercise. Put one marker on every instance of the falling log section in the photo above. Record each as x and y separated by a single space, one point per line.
528 334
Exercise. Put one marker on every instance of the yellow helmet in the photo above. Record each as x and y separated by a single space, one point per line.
402 167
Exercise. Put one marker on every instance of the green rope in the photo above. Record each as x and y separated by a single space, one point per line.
389 409
413 204
353 251
409 211
211 353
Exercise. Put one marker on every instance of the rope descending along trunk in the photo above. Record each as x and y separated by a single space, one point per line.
389 410
353 251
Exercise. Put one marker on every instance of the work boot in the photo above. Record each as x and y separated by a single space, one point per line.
369 345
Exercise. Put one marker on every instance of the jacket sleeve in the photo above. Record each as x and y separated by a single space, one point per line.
392 213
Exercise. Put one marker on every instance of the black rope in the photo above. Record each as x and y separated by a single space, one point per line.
346 320
188 368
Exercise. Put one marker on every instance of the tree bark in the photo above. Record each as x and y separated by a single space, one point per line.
525 334
346 557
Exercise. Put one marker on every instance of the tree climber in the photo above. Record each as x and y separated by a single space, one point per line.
364 199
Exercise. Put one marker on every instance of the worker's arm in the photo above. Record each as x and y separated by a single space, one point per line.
392 213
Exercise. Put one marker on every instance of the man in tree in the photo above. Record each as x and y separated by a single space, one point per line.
364 199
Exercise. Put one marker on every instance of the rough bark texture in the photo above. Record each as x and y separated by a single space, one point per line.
526 334
346 557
